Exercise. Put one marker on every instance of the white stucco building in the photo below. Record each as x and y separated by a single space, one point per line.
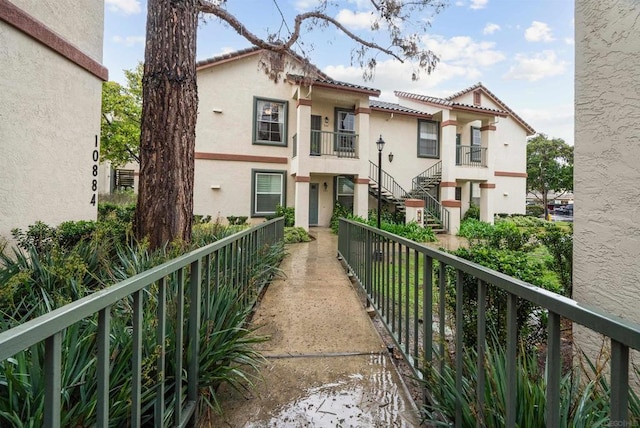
307 143
50 95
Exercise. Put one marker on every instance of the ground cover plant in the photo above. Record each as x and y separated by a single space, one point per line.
54 266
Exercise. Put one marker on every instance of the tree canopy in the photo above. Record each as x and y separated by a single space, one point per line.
167 138
120 124
549 167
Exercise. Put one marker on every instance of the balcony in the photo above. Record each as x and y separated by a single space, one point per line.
330 144
473 156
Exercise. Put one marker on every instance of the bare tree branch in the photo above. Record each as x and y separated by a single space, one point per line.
390 11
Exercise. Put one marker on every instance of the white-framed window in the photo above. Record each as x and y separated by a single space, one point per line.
344 191
428 141
346 130
270 121
268 191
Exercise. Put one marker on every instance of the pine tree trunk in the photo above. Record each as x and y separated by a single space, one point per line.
167 137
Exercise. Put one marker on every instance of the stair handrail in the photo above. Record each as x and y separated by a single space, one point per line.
430 173
434 208
388 184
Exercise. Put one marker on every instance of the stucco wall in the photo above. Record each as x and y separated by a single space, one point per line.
400 133
50 117
607 149
83 26
230 89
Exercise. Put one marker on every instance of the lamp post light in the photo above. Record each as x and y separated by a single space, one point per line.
380 144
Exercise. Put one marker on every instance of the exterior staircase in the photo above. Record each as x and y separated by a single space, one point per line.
392 193
421 187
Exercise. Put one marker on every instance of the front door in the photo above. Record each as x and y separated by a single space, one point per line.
313 204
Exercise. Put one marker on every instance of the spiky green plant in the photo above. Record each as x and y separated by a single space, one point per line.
584 392
35 283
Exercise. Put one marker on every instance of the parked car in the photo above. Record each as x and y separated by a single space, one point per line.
564 210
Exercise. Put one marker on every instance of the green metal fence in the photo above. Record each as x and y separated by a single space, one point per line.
194 278
402 285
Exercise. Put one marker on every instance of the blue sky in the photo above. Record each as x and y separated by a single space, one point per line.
522 50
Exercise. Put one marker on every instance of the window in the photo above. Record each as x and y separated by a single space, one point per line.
346 129
344 191
428 139
268 189
476 142
270 122
458 193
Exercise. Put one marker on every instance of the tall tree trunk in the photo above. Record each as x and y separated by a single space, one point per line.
167 137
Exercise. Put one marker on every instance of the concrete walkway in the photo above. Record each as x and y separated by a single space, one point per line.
326 364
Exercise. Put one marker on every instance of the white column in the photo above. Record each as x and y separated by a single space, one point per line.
487 194
302 202
303 133
465 197
448 129
361 197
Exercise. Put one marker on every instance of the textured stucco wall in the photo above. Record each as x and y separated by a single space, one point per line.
82 26
49 117
607 149
231 88
400 134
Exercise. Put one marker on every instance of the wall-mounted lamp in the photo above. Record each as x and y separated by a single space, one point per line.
391 157
217 110
325 185
326 121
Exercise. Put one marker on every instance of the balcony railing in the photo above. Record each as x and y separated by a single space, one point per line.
183 290
406 284
339 144
471 156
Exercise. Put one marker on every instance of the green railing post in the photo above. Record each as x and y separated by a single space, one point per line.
52 380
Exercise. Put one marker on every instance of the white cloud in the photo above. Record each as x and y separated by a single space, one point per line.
464 51
305 5
478 4
569 41
536 67
538 32
128 7
460 58
490 28
129 40
459 3
355 20
557 121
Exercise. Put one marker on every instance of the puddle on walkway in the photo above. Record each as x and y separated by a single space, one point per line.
371 398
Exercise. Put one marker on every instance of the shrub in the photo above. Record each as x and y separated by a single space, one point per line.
293 235
39 235
513 263
535 210
473 212
560 245
340 211
70 233
475 231
289 214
